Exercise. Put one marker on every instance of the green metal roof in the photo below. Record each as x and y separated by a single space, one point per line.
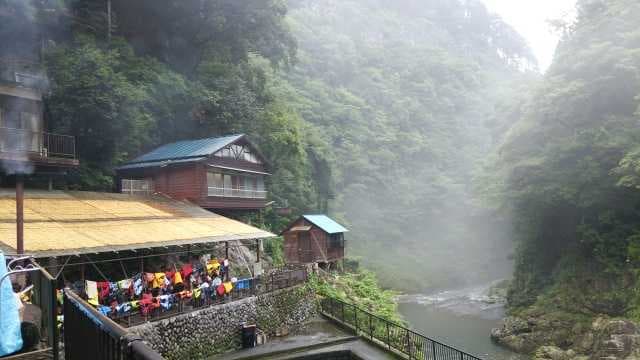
325 223
187 149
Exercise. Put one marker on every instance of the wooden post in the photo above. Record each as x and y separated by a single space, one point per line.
258 243
20 214
109 20
226 249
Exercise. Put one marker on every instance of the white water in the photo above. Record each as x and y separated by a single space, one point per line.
462 318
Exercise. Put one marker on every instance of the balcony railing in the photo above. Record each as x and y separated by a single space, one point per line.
21 71
137 187
40 143
240 192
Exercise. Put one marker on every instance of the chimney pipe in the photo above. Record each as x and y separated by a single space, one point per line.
20 214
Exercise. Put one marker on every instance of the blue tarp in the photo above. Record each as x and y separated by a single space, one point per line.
11 339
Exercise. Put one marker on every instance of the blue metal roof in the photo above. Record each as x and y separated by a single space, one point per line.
157 163
186 149
325 223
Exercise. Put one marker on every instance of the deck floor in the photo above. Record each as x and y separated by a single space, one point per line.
316 338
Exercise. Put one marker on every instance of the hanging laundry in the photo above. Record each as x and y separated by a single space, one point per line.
158 280
123 308
213 266
165 301
105 310
197 293
103 290
227 287
186 271
177 278
138 287
220 290
124 284
91 288
149 277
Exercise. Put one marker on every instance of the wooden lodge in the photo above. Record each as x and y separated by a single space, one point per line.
225 173
24 145
314 239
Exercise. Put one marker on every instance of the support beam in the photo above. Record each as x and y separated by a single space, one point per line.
20 214
258 249
226 249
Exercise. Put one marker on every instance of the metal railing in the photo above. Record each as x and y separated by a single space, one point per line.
89 334
22 71
240 192
279 279
40 143
390 334
132 187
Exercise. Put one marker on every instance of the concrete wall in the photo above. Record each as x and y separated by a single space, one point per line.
216 329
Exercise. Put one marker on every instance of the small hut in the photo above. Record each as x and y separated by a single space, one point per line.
314 239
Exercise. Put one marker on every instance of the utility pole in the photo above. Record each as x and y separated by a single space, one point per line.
20 213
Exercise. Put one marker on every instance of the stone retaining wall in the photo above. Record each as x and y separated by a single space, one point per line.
216 329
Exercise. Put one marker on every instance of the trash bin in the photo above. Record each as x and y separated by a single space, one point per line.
248 336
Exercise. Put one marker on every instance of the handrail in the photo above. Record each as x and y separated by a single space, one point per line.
43 143
390 334
86 326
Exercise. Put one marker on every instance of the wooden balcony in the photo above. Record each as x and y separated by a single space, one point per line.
233 199
41 148
239 192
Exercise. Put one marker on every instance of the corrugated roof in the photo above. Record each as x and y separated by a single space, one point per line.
326 223
186 149
158 163
59 223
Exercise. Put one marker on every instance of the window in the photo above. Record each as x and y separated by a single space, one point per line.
235 185
215 180
336 240
238 152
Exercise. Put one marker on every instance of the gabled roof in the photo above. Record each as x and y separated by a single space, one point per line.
185 150
65 222
325 223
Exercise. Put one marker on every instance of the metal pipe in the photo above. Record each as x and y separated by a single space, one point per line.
20 214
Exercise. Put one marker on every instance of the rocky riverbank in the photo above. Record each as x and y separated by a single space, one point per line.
564 337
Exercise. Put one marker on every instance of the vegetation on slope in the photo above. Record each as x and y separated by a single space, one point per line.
361 288
404 94
377 111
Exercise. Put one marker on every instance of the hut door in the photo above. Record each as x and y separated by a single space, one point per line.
304 247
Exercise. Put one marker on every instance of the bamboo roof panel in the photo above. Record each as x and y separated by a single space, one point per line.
58 223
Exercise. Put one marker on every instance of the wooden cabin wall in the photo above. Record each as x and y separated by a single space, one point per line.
335 253
318 245
291 248
178 182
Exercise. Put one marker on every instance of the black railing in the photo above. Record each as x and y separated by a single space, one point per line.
390 334
91 335
276 280
35 142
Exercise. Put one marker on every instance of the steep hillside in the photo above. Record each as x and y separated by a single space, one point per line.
404 93
570 170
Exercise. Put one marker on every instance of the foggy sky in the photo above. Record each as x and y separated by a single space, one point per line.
529 18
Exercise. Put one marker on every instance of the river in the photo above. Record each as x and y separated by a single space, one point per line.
461 318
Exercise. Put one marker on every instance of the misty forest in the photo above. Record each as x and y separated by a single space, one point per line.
425 126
